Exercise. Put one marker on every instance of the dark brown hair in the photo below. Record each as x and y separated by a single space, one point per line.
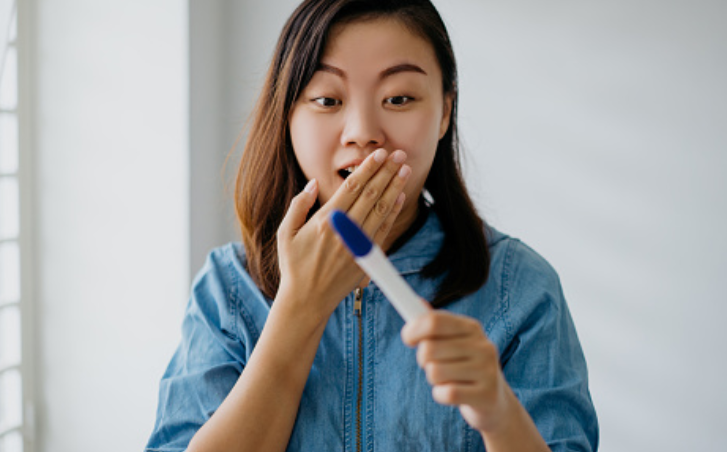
269 175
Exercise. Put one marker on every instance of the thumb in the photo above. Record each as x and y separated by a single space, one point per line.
298 211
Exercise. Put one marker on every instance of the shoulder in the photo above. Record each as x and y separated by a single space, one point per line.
225 261
524 283
224 269
516 265
214 285
227 294
220 275
512 257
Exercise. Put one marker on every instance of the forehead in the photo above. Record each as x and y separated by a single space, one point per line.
377 44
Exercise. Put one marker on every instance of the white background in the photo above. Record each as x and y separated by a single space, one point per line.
594 131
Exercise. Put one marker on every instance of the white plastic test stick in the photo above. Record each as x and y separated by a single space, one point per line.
373 261
400 294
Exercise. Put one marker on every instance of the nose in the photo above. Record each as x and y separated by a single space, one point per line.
362 128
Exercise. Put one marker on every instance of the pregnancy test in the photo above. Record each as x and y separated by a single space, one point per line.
375 263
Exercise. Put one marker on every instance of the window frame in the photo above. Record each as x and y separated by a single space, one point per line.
26 235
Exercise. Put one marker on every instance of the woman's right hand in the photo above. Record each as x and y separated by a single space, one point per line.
316 271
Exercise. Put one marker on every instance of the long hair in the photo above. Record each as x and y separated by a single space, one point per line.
270 176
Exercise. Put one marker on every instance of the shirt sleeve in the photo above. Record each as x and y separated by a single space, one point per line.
206 364
544 363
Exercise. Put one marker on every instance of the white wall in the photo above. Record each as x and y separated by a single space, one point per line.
596 133
212 132
109 137
231 42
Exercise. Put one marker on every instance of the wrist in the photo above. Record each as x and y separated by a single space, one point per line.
502 412
506 413
514 430
294 307
290 337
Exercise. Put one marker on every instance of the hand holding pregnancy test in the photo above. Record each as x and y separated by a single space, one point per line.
375 263
482 399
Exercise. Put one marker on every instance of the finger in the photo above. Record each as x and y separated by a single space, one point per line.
456 393
376 187
298 211
451 350
390 219
439 325
385 204
354 184
456 372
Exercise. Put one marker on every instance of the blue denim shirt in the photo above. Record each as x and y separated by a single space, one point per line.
521 308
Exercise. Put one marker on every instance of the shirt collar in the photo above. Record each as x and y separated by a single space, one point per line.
420 249
424 246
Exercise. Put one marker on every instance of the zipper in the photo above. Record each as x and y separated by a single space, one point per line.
358 296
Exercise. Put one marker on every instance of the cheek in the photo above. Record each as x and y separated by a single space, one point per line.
417 132
420 163
314 143
309 144
418 137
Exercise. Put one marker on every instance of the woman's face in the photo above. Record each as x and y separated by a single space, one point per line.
378 86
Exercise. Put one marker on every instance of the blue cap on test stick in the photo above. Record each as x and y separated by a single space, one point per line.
352 235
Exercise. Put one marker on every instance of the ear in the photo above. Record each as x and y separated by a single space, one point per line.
446 115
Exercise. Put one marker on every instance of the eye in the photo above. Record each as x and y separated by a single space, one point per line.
399 101
327 102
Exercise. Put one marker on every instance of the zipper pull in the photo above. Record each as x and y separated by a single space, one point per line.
358 295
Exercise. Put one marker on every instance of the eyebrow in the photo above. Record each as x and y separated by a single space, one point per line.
399 68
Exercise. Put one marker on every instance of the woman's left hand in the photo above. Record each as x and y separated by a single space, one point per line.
462 365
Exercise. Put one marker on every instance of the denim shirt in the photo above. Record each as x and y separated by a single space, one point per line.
521 308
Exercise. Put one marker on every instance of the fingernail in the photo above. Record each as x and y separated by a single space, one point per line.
380 155
404 171
310 186
400 198
399 157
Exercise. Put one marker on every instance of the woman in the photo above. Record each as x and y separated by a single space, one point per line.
287 346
